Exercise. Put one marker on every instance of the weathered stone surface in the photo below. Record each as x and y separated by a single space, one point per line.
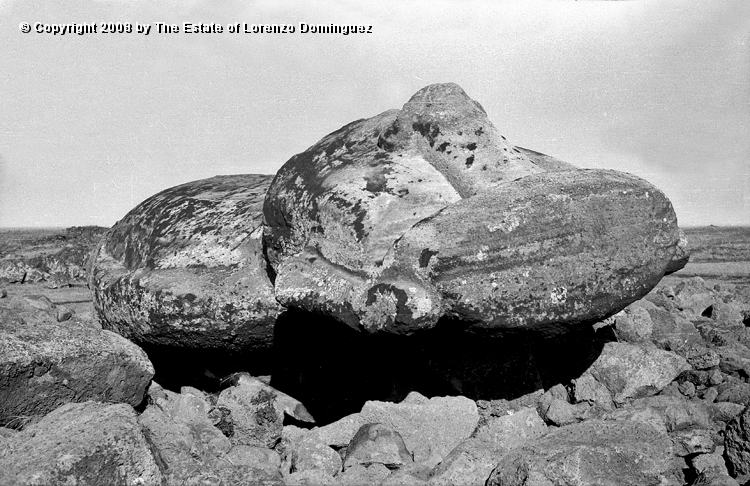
431 428
261 458
737 444
665 414
630 371
80 443
472 461
309 452
186 268
711 470
377 444
592 453
360 474
528 253
45 364
681 254
253 412
392 222
693 296
587 389
193 451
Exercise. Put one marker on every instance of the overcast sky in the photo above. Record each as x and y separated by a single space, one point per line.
92 125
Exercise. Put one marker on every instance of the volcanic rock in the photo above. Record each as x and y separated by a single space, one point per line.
588 454
309 452
377 444
45 364
630 371
392 222
472 461
254 412
681 255
186 268
431 428
80 443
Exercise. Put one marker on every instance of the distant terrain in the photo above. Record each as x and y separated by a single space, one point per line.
718 254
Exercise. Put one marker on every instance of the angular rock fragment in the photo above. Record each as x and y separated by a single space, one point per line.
393 222
253 412
737 444
311 453
472 461
630 371
430 428
45 364
592 453
186 268
377 444
81 443
193 451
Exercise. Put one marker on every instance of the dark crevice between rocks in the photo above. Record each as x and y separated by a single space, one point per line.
333 369
708 312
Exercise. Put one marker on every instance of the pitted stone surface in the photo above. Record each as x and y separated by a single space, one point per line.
392 222
561 247
186 267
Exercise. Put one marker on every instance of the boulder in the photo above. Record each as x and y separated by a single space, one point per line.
186 268
392 222
591 453
305 452
630 371
81 443
253 412
45 364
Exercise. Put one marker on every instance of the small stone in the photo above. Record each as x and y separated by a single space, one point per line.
687 389
704 361
715 377
39 302
671 390
254 411
559 412
63 313
692 441
3 293
257 457
710 394
587 389
377 444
